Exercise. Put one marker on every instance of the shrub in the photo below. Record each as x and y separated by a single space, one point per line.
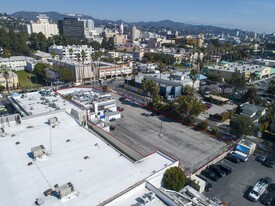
69 97
215 131
203 125
174 179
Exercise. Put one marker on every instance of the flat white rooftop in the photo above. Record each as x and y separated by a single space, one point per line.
104 174
34 103
232 67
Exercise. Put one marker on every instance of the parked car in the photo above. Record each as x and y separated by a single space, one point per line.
267 180
261 158
217 170
271 187
225 168
112 128
267 198
232 159
270 162
210 175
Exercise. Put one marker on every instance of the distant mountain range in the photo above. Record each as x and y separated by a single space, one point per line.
157 25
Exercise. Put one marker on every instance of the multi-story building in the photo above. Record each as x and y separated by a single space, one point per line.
14 62
71 52
107 70
135 33
71 26
43 25
12 80
226 70
81 72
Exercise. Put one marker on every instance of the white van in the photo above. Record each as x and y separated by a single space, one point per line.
241 156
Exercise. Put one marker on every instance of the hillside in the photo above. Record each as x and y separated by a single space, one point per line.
157 25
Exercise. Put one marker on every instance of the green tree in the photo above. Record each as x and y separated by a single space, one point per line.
194 76
251 96
40 71
66 74
204 125
271 88
104 88
6 75
187 105
241 125
104 43
252 76
187 90
2 88
71 51
53 54
237 80
83 57
95 45
6 53
174 179
150 88
110 44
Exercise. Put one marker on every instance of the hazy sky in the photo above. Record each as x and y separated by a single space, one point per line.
253 15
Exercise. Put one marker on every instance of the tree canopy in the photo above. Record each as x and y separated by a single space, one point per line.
241 125
174 179
187 105
251 96
157 57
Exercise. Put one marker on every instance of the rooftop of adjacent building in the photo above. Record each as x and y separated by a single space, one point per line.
103 174
240 67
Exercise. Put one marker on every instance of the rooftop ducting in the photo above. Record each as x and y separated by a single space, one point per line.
38 151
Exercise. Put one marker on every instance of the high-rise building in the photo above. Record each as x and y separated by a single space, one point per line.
71 26
43 25
121 29
135 33
90 24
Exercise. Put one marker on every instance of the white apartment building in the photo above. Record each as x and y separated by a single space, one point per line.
81 72
135 33
71 52
43 25
14 62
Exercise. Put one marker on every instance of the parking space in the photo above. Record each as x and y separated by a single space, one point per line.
234 188
146 133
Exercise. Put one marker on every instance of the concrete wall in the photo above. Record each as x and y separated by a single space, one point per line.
213 161
130 152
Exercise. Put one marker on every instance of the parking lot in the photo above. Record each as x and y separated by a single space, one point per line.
234 188
146 133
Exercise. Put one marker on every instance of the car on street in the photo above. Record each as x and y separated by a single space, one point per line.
210 175
261 158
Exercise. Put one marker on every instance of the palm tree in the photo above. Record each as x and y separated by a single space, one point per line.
252 76
6 75
83 57
194 75
71 51
78 59
53 54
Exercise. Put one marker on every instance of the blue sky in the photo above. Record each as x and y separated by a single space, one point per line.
253 15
